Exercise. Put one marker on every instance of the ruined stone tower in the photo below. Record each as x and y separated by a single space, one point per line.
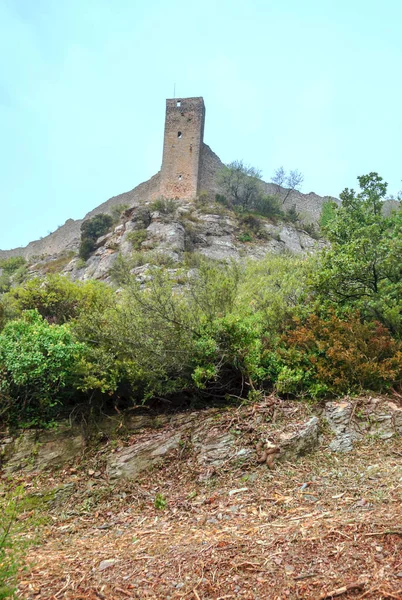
184 135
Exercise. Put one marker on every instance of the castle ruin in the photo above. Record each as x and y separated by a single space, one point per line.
188 167
182 148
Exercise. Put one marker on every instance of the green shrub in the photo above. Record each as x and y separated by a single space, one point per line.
328 213
120 272
91 230
215 331
117 210
362 268
221 199
14 271
203 197
245 237
165 206
312 230
250 222
160 502
269 206
136 238
11 265
56 298
38 362
291 215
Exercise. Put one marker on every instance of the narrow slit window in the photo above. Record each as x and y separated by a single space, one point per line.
179 134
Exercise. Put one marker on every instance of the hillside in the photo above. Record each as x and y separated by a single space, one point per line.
66 237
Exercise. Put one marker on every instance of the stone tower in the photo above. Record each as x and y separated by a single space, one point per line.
184 135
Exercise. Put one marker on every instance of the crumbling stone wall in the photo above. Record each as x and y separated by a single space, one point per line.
182 148
67 237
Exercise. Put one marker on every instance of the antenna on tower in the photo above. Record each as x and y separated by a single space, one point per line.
174 90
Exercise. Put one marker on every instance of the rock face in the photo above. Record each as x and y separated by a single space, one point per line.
186 229
39 450
350 421
299 442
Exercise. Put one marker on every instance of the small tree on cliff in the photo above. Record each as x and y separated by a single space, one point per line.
91 230
241 184
291 181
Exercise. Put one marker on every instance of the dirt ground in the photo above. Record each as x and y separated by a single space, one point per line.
326 526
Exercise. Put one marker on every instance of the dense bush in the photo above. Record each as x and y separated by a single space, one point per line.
166 206
13 271
91 230
38 362
334 356
269 206
315 327
56 298
117 210
328 213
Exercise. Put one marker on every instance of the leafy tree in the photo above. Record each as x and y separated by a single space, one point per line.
91 230
12 264
117 210
328 211
363 267
241 184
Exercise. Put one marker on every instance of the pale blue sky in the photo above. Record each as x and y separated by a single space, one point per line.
313 84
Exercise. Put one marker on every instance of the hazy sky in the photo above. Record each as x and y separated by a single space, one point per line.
313 84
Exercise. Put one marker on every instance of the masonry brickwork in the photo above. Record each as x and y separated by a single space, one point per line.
182 148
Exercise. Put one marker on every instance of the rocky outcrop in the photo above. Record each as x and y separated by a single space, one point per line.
351 421
38 450
186 229
209 439
301 441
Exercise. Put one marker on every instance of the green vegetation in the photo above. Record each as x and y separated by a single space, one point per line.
362 269
328 213
166 206
136 238
160 502
38 362
241 184
13 270
58 264
117 210
243 191
9 551
310 327
91 230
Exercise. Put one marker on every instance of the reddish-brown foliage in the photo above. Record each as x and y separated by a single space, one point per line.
342 354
